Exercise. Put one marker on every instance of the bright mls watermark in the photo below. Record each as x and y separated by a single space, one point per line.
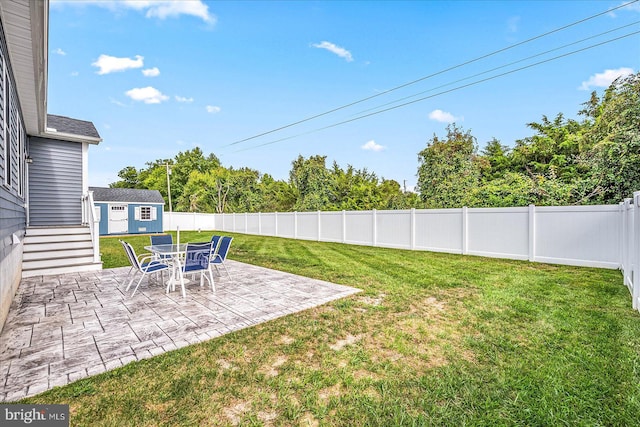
34 415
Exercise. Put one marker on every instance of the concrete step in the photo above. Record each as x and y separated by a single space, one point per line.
62 270
33 255
57 246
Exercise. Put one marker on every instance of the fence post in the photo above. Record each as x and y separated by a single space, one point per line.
413 229
260 223
636 250
234 221
319 226
344 226
374 221
276 221
622 227
295 224
627 245
532 232
465 238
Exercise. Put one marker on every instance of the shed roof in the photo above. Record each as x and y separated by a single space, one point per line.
71 126
127 195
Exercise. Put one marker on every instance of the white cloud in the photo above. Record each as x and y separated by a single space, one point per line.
605 78
634 7
166 9
151 72
109 64
213 109
340 51
372 146
183 99
75 74
513 23
160 9
116 102
148 95
60 52
443 116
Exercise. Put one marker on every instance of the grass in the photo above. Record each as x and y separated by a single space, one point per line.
433 339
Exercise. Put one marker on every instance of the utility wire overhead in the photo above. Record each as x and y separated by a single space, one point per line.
495 69
432 75
441 93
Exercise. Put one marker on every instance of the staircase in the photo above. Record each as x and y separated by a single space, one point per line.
57 250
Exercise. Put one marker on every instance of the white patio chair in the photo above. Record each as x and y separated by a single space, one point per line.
197 256
144 264
220 255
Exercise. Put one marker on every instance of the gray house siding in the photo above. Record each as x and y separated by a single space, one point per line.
54 181
12 183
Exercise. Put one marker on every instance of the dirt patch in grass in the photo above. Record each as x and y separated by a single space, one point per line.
348 340
271 370
327 393
308 420
285 339
236 411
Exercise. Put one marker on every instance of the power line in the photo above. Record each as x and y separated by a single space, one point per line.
431 75
496 68
443 92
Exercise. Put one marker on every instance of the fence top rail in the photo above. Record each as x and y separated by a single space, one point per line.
586 208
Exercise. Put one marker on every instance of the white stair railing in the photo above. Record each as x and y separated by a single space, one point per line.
88 218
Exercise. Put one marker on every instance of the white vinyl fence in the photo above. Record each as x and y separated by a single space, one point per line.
604 236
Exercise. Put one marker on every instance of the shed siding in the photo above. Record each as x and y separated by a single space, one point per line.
137 226
55 190
12 164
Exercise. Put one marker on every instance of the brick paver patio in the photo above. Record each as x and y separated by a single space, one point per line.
63 328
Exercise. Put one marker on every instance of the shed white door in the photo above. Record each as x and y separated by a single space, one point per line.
118 219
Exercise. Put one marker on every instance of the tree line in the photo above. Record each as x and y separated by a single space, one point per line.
594 160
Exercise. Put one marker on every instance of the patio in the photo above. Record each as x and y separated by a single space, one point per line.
67 327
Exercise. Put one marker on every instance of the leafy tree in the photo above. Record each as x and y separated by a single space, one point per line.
449 169
556 145
614 138
498 160
314 184
129 178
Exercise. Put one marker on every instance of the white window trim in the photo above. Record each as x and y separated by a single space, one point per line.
138 213
6 128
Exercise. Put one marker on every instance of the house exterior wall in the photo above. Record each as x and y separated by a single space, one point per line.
55 192
13 183
135 226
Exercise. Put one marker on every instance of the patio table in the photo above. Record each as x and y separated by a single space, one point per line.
175 252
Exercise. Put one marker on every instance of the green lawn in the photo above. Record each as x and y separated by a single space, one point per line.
433 339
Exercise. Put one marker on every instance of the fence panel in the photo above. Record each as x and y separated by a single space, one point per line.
331 226
307 223
498 232
253 223
439 230
359 227
578 235
286 224
393 229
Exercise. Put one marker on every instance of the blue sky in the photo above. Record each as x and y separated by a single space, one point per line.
159 77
